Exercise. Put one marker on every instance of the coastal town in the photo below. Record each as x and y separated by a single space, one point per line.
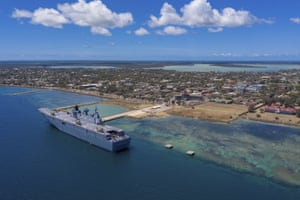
253 93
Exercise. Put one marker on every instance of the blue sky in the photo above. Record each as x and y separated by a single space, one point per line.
150 30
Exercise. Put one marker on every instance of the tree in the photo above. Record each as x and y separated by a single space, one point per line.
251 108
268 100
289 102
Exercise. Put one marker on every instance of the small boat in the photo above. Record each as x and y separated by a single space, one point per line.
190 153
169 146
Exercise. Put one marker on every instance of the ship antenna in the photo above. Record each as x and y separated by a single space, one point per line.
96 110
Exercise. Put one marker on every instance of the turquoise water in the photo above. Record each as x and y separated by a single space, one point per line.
40 162
265 149
213 68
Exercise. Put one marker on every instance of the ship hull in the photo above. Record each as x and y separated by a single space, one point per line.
90 136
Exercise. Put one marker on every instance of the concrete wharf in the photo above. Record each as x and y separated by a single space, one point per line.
141 113
145 112
120 115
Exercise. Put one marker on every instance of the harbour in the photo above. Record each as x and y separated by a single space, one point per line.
177 100
39 148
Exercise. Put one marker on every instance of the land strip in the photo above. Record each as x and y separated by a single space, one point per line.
290 120
210 111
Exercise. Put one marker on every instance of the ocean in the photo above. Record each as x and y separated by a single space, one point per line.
40 162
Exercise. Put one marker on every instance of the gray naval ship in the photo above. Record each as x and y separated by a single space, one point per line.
88 127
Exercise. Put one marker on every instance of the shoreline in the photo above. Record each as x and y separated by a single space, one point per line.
273 118
216 112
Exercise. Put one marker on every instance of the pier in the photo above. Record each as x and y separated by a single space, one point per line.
133 114
141 113
112 117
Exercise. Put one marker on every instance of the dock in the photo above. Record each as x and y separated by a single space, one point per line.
26 92
116 116
141 113
145 112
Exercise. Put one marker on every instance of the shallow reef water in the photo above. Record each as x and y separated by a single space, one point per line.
265 149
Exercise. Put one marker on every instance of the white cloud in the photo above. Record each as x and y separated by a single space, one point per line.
141 32
100 31
215 29
199 13
168 16
48 17
231 18
295 20
172 30
94 14
22 14
44 16
274 54
228 54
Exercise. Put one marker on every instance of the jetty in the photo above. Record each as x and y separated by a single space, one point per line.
26 92
120 115
141 113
